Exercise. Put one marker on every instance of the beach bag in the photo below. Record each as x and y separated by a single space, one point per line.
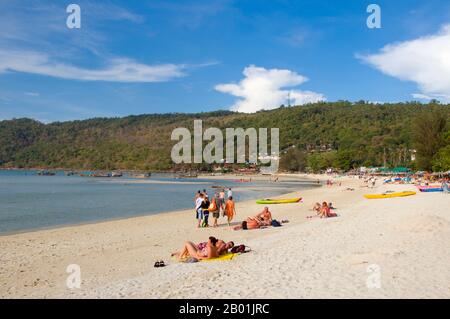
276 223
213 206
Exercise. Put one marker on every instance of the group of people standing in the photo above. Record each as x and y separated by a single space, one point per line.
221 203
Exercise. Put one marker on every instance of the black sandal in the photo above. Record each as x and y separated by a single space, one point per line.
157 264
161 263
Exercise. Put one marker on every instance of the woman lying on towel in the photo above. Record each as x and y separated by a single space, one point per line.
207 251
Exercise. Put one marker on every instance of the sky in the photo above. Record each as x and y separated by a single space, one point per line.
141 57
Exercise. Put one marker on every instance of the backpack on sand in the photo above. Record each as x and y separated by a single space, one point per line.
276 223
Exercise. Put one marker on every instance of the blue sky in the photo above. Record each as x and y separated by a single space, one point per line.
135 57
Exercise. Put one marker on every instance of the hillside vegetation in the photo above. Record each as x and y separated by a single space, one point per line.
340 134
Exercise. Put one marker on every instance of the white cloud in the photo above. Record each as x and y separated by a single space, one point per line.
425 61
34 94
263 89
116 70
421 96
54 50
20 18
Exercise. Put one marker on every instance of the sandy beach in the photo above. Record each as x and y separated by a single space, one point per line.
400 244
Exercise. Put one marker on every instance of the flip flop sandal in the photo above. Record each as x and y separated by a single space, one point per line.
161 263
157 264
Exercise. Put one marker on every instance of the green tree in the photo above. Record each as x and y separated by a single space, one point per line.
340 134
321 161
441 161
293 161
428 137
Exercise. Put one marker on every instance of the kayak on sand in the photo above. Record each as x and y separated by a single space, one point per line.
278 201
430 188
389 195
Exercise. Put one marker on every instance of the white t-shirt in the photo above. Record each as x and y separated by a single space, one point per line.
198 203
229 194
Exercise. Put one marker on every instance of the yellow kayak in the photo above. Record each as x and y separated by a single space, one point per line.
278 201
389 195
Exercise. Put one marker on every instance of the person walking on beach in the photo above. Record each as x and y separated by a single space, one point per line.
205 206
221 202
214 209
230 209
229 193
198 209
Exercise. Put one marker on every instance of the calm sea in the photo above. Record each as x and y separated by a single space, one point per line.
28 201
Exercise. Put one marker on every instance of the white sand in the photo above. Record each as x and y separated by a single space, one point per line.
406 240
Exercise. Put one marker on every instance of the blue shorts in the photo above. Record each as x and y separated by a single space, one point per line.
199 213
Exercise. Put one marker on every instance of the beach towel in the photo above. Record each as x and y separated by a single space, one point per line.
228 256
225 257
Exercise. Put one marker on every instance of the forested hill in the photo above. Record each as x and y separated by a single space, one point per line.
340 134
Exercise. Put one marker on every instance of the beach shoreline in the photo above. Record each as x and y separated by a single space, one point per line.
206 184
303 259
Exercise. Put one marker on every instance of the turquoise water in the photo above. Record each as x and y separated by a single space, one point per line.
28 201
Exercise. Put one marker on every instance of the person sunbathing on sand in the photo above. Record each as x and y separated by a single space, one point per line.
250 223
317 207
190 249
223 247
254 222
325 211
265 216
